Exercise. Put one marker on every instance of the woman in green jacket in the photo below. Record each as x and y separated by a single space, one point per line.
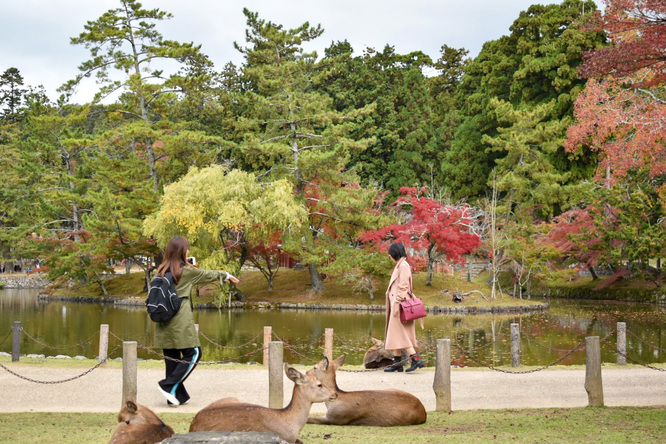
178 337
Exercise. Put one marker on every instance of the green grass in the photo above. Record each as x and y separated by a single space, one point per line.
576 425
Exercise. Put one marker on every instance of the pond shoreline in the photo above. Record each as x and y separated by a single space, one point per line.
264 305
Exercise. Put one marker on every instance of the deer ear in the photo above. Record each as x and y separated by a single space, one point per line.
325 363
377 342
341 360
131 405
293 374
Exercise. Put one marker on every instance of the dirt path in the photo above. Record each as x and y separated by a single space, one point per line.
101 389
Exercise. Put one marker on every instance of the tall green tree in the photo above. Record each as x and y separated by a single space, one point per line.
401 128
293 130
124 46
11 94
536 64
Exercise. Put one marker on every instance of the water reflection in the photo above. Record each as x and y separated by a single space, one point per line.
72 329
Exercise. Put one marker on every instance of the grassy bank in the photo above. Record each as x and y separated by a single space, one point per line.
576 425
294 286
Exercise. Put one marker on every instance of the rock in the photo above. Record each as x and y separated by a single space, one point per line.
225 437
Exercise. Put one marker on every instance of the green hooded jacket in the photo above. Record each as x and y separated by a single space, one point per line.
179 332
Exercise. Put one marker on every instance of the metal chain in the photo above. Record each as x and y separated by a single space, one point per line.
481 347
62 380
291 348
633 360
634 335
530 338
85 341
484 364
304 346
368 370
5 338
346 344
229 346
182 361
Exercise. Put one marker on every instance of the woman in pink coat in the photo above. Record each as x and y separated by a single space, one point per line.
400 335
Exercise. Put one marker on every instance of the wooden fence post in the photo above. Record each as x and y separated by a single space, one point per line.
328 343
268 335
275 378
515 345
103 342
129 371
621 343
442 383
593 383
16 341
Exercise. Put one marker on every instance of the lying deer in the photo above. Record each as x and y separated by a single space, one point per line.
383 408
138 424
230 414
377 356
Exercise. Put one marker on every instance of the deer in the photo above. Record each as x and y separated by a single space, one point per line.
377 356
137 424
383 408
230 414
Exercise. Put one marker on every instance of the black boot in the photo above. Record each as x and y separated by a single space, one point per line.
416 362
396 366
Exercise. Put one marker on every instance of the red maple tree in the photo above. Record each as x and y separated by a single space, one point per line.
430 227
620 113
637 31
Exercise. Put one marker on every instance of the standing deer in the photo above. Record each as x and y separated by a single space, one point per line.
230 414
382 408
137 424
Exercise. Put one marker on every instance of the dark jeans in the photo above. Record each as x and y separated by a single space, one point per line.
178 372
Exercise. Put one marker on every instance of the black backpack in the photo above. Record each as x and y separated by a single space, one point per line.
162 302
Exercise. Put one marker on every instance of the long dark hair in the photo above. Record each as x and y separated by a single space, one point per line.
175 257
397 250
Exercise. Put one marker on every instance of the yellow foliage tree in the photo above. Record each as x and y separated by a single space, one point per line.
220 210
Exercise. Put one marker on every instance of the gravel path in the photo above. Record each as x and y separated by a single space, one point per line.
101 389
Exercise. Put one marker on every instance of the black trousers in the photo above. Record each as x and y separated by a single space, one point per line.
178 372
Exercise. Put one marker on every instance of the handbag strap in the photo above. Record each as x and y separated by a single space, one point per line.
411 293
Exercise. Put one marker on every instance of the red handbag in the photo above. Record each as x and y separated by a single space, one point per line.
413 308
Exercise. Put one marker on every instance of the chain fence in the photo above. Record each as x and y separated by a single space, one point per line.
645 342
64 347
61 381
633 360
426 347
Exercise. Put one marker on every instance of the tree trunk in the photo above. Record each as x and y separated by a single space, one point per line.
270 283
317 283
429 268
470 265
104 290
593 273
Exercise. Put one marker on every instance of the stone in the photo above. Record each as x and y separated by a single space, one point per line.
225 437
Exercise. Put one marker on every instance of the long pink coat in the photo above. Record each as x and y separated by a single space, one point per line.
398 335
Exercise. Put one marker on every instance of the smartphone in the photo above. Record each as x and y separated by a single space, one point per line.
192 260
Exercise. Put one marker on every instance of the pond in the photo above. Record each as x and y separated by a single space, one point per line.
59 328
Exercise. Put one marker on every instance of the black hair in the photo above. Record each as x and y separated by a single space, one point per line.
397 250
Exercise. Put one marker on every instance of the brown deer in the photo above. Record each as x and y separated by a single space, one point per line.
137 424
382 408
377 356
229 414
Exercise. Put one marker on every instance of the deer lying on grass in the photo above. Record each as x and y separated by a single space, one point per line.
383 408
229 414
137 424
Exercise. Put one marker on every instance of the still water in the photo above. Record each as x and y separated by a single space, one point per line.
58 328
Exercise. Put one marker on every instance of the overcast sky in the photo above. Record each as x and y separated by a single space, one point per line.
35 34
